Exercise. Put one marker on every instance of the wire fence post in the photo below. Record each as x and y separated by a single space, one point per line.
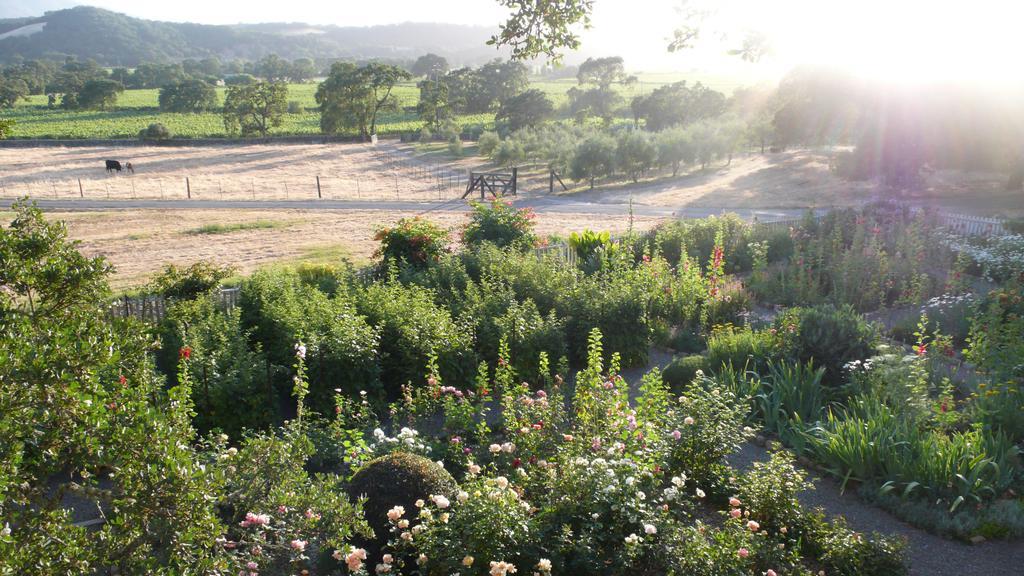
188 188
81 192
318 193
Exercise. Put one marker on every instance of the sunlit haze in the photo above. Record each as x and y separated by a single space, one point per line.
903 40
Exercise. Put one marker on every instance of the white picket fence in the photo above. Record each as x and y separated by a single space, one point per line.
962 224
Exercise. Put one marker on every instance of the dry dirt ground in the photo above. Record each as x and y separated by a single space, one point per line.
140 242
802 178
253 172
791 179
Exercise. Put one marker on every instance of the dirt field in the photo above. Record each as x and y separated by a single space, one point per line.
802 178
140 242
393 171
259 172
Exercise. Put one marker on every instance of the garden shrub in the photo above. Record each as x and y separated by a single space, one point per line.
740 349
487 143
843 551
89 417
500 224
155 131
326 278
415 242
828 335
698 238
711 427
546 281
494 312
768 491
489 524
279 311
190 282
996 340
588 244
682 371
614 301
397 479
231 390
411 329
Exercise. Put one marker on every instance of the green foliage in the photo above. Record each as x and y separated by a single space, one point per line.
740 349
710 422
588 243
678 104
996 341
829 336
848 552
279 311
83 413
684 370
12 90
674 149
351 97
636 154
255 108
412 330
397 479
594 158
526 109
231 391
488 143
768 491
415 242
500 224
97 94
428 64
155 131
6 125
190 282
188 96
532 31
491 308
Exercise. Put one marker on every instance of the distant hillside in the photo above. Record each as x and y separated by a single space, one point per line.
114 39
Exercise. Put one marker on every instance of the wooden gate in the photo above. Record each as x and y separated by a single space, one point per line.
498 184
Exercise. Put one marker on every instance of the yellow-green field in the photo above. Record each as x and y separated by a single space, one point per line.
137 109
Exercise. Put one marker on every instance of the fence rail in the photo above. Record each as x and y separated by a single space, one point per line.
386 174
153 307
963 224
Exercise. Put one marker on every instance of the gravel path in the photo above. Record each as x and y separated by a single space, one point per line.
927 554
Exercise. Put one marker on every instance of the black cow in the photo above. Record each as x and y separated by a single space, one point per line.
113 165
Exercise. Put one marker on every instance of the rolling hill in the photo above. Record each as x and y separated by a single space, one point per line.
114 39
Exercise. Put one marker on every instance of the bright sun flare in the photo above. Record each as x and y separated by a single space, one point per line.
911 41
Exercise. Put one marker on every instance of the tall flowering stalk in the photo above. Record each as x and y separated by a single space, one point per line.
301 388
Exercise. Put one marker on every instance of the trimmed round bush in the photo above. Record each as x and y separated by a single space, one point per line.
155 131
397 479
829 335
683 370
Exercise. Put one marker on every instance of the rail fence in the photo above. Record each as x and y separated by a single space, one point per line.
390 175
962 224
153 307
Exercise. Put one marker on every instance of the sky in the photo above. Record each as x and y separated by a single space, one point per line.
893 40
